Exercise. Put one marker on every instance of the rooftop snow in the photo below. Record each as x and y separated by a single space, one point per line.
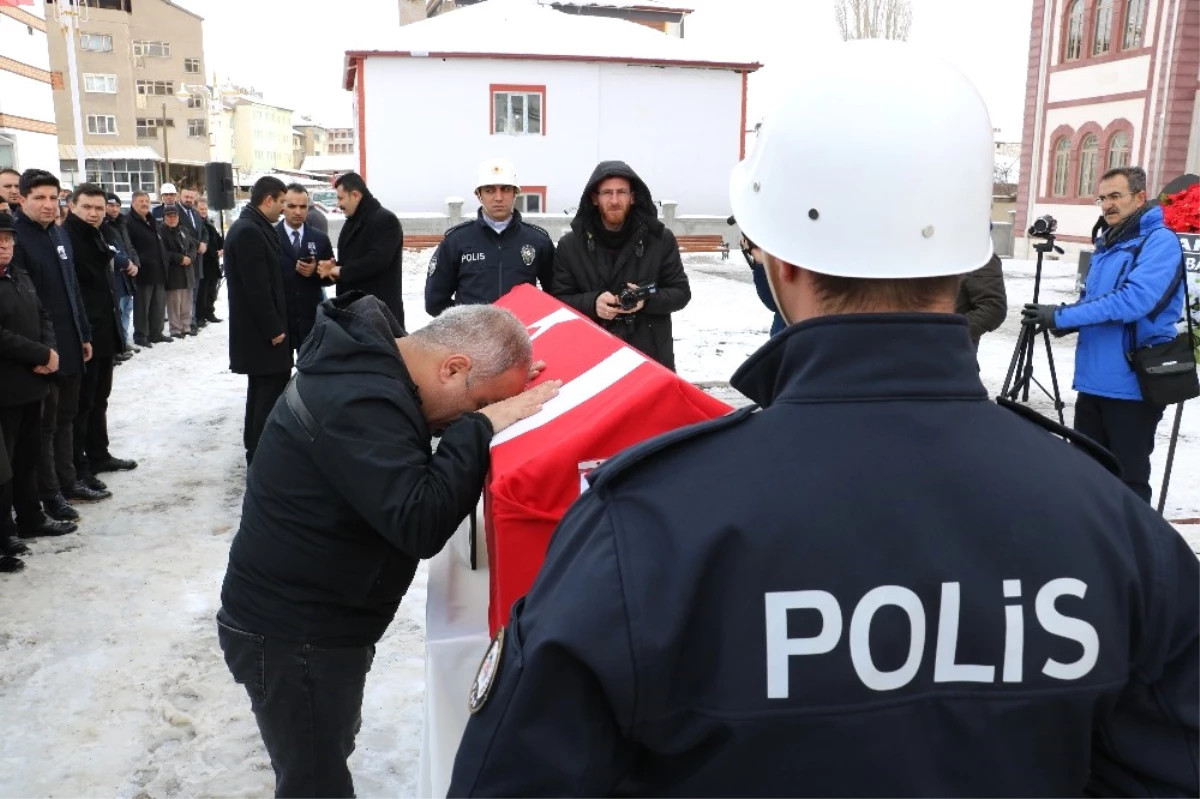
516 28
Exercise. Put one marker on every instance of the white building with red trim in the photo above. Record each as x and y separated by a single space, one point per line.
555 93
1110 83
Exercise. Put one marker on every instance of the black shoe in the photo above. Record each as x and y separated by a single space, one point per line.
143 343
13 546
195 329
81 493
202 323
121 357
10 565
134 348
49 528
111 464
57 508
93 482
213 318
161 340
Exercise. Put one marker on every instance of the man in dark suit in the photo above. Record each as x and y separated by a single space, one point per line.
191 219
370 246
212 265
258 314
304 247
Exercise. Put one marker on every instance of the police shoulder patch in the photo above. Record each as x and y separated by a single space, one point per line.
485 678
622 463
459 226
433 262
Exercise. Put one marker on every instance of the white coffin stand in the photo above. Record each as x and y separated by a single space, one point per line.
456 638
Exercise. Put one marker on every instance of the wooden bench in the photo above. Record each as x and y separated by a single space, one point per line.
422 242
703 243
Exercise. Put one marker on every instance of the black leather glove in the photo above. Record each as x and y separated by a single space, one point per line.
1038 316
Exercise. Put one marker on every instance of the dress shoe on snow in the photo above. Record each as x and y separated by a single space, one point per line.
11 565
57 508
93 482
195 329
143 343
161 340
111 464
81 493
122 357
49 528
13 546
213 319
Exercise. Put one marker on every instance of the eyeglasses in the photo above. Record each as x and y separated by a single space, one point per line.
615 194
1112 197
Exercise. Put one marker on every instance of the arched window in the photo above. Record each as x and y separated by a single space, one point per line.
1135 18
1075 31
1118 150
1088 155
1062 166
1102 38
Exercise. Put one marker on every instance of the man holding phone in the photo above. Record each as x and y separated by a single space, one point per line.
303 249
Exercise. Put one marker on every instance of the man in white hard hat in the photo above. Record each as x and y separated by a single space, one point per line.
880 583
167 195
481 260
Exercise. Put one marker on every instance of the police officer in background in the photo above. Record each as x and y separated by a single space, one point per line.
483 259
880 583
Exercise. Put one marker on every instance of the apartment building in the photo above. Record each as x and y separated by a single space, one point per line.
341 141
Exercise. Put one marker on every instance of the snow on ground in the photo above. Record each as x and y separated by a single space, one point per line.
111 679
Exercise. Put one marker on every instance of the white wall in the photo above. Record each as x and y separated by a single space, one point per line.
1113 77
25 97
428 125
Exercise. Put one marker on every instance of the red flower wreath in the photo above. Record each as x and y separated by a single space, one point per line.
1181 211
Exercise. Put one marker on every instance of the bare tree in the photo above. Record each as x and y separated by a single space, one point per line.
873 19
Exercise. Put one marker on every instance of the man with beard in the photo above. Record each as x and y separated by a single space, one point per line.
94 267
617 242
370 247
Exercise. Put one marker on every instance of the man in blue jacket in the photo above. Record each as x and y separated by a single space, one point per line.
880 583
303 248
1133 297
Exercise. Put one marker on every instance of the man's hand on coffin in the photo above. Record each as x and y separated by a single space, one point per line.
536 370
527 403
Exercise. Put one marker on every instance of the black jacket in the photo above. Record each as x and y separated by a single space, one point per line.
983 299
881 584
93 266
189 219
152 253
303 293
257 301
338 512
371 255
44 253
584 269
212 257
26 338
115 231
475 265
180 245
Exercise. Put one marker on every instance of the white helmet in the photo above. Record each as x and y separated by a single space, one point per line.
497 172
877 164
168 188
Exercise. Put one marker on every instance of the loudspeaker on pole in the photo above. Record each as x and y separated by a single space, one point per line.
218 177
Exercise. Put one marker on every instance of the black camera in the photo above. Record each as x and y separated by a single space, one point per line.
1043 226
629 298
747 246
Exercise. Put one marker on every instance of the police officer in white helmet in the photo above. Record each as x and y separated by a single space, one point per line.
481 260
880 583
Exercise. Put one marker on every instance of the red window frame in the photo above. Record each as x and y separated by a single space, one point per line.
538 190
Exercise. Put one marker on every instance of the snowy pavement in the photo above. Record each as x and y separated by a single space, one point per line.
111 680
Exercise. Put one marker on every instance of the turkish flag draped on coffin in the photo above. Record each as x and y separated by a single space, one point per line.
612 398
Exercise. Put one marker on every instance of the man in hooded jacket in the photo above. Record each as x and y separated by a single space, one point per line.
616 241
370 246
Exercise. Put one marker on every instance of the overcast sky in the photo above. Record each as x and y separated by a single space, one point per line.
293 50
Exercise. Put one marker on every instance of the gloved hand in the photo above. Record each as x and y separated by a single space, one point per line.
1038 316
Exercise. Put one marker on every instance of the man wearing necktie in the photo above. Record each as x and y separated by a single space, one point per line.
303 249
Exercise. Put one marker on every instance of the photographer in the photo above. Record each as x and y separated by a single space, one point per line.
616 242
754 257
1132 298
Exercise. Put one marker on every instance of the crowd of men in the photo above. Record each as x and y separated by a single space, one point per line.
83 287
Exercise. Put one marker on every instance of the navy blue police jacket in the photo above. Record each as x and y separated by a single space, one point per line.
303 293
879 584
475 265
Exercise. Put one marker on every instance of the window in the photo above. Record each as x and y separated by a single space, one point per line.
191 65
531 200
103 84
101 125
1088 156
120 175
8 153
1062 166
149 128
1075 31
96 42
196 127
152 49
195 101
518 109
156 87
1118 150
1102 39
1135 13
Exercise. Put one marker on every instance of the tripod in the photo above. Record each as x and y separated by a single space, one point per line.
1021 366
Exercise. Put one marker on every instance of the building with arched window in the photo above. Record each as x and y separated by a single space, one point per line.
1110 83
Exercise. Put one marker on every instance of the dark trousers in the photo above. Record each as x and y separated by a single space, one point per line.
261 393
21 426
149 311
307 702
208 292
56 469
1126 429
91 422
